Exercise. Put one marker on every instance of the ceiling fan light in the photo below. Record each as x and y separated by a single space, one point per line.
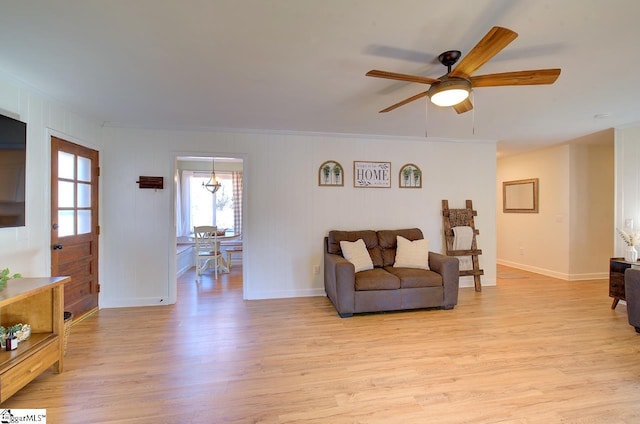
449 97
449 92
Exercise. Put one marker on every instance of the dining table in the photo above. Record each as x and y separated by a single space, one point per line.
228 235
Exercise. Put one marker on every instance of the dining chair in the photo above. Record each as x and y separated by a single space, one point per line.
207 248
232 250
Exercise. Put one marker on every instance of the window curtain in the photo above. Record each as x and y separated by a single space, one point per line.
236 179
178 204
184 217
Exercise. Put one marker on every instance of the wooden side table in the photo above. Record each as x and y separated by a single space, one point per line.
40 303
617 266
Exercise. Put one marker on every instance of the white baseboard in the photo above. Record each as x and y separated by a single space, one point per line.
282 294
591 276
555 274
134 302
467 281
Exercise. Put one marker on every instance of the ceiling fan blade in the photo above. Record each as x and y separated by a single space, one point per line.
491 44
532 77
463 106
404 102
401 77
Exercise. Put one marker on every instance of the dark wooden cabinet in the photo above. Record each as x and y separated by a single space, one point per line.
617 266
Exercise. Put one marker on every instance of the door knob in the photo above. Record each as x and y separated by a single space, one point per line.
57 247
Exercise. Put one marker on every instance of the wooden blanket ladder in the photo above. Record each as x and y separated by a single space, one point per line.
462 218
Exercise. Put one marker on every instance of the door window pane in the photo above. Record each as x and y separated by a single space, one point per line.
66 165
66 223
65 194
84 221
84 195
84 169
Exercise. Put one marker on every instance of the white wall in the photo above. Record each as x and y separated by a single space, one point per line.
26 249
570 236
592 205
538 242
627 158
287 213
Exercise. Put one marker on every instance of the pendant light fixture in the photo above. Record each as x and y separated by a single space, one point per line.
213 184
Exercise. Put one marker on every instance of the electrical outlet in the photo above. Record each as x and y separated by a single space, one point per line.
316 269
522 250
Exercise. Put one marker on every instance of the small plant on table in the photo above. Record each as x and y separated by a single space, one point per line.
5 275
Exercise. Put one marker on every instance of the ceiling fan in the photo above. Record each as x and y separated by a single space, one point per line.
453 88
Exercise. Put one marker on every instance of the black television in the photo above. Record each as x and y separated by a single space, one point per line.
13 161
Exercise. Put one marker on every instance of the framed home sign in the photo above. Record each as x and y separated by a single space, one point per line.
372 174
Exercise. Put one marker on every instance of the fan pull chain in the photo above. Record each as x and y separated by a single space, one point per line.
426 119
473 114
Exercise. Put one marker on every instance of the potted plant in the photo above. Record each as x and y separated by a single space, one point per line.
5 276
326 170
631 239
416 176
406 172
337 170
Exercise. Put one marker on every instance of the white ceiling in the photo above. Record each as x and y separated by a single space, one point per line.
299 65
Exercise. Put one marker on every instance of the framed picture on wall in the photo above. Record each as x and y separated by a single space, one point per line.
331 173
520 196
410 176
372 174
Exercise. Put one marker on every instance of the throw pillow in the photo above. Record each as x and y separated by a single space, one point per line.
412 254
356 253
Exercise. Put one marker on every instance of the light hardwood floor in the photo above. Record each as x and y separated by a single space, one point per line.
531 350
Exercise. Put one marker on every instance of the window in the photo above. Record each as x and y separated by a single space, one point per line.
211 209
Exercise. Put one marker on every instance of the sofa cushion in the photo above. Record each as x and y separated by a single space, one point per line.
387 242
414 277
376 279
368 236
412 254
356 253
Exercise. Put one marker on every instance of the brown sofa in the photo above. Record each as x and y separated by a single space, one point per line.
386 288
632 296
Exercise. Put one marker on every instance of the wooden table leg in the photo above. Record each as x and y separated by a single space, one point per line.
615 303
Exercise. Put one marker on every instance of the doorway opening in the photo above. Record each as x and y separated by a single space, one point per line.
196 205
